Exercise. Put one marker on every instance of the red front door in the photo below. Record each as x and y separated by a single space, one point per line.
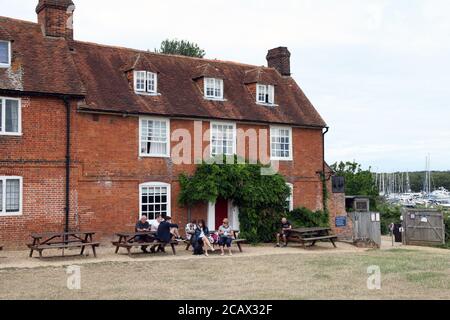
221 212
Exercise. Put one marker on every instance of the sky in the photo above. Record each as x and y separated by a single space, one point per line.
378 71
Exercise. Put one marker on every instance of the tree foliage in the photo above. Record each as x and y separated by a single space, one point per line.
305 218
181 47
358 182
261 199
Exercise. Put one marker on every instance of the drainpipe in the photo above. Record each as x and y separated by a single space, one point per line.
323 168
68 162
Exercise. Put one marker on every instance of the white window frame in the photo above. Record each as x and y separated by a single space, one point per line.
7 65
291 143
155 185
220 123
3 213
168 149
218 84
291 197
147 76
3 117
268 90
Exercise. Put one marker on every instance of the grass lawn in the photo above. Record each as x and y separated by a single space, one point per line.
406 274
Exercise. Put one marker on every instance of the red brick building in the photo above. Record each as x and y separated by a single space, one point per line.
94 136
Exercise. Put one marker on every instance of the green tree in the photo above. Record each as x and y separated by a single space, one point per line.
358 182
181 47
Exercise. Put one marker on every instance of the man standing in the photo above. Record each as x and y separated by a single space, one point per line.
143 226
285 228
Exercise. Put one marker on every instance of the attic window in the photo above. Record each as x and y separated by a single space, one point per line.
145 82
213 88
5 54
265 94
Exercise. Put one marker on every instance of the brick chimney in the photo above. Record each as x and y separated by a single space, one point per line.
55 18
280 59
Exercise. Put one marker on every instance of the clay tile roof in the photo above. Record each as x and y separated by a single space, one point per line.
39 64
96 72
101 68
261 75
207 71
140 63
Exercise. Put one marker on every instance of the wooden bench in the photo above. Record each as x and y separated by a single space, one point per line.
48 246
311 235
128 240
62 240
236 241
130 245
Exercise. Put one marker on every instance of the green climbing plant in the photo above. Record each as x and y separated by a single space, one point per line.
261 198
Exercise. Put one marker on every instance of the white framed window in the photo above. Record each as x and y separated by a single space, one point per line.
154 137
213 88
154 199
11 196
290 199
5 54
281 143
10 116
265 94
223 138
145 82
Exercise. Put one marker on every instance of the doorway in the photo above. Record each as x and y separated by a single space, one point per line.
221 212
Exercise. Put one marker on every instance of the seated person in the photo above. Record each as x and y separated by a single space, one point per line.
164 233
285 227
155 224
202 239
190 229
225 237
143 226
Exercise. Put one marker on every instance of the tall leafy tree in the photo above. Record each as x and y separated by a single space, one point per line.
357 181
181 47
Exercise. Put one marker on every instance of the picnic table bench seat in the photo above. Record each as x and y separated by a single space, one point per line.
311 235
130 245
128 240
62 240
238 242
70 245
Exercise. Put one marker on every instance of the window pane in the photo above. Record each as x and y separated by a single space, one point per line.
155 204
281 144
154 137
4 52
12 195
12 116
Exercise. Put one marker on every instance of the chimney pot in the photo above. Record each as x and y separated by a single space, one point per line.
280 59
55 18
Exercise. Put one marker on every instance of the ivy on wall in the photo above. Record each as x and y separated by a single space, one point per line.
261 198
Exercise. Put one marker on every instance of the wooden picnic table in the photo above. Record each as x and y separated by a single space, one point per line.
63 240
236 240
128 240
311 235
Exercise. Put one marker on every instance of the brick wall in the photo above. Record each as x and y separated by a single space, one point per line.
107 170
38 156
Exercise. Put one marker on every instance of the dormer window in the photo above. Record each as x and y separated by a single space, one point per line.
265 94
213 89
5 54
145 82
